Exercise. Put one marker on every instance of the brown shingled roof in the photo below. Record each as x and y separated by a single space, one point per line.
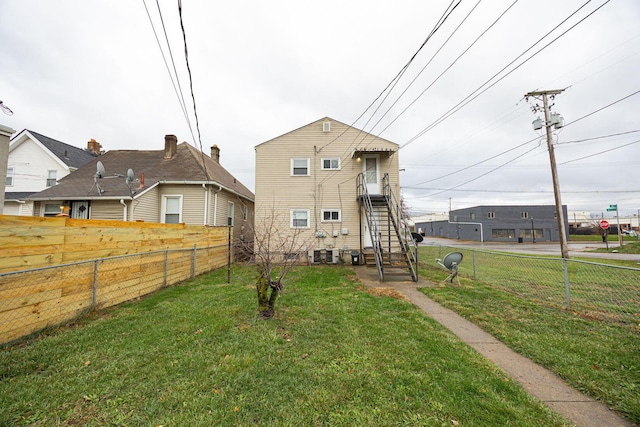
185 167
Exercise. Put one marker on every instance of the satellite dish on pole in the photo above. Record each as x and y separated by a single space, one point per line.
451 263
130 176
99 170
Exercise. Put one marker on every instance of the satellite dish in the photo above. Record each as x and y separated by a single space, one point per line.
99 170
451 262
130 176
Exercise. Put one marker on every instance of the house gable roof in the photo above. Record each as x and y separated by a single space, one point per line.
187 166
72 157
328 119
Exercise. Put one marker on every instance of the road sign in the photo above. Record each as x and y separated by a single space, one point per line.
604 224
612 208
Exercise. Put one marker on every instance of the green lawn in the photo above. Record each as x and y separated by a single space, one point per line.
599 358
197 355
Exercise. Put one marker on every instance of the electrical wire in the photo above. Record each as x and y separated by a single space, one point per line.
475 93
193 97
601 152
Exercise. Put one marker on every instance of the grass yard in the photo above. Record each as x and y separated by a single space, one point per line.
599 358
196 355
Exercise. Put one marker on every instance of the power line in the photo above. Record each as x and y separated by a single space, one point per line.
193 97
475 93
601 152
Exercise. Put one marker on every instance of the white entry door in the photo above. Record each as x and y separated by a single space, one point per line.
371 171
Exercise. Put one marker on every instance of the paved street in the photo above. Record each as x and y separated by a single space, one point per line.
576 249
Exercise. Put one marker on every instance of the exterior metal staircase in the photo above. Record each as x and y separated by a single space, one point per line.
393 250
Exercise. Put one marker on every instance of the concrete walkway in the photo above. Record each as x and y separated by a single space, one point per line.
547 387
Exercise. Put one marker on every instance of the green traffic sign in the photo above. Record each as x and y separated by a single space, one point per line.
613 207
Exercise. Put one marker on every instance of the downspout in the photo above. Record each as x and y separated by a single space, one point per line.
124 209
215 205
206 204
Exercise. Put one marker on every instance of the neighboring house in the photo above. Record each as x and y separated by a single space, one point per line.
5 134
336 187
527 223
179 184
37 162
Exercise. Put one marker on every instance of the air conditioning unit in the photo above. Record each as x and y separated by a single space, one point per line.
333 256
316 256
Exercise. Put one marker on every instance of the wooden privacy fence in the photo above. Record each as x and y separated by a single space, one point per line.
101 263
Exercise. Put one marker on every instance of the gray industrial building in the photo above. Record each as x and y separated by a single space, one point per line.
498 224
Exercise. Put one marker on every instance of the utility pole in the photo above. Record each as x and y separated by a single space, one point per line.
552 157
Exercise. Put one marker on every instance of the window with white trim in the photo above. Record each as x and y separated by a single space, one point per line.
524 215
171 209
299 218
491 215
331 163
230 212
245 212
331 215
300 167
51 209
10 173
51 178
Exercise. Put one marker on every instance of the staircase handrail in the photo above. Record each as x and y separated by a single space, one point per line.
376 241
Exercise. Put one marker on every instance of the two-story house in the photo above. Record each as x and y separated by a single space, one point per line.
37 162
337 188
178 184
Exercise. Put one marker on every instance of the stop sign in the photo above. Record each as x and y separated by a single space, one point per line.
604 224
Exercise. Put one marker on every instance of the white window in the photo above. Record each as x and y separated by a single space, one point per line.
491 215
524 215
299 167
230 212
245 212
10 174
332 163
171 209
299 218
51 178
52 209
331 215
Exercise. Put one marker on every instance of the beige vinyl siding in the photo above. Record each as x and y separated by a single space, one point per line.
192 201
107 209
147 207
277 190
240 225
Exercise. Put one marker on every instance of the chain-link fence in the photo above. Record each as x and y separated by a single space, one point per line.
593 290
31 300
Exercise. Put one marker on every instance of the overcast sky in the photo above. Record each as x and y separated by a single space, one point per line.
79 69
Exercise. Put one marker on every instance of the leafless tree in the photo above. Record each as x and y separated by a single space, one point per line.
277 249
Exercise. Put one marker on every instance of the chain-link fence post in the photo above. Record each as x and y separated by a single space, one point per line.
95 283
166 266
566 282
473 256
193 264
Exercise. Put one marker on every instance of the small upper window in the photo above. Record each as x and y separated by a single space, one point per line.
473 216
330 215
524 215
51 178
299 167
9 180
491 215
331 163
